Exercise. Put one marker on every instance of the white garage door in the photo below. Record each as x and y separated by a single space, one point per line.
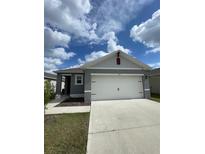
105 87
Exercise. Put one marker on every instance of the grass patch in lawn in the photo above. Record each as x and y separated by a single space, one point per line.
66 133
155 97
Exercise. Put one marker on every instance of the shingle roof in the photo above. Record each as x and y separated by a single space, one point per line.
70 70
155 72
49 76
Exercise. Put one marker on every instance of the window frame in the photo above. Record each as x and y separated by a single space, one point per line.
76 77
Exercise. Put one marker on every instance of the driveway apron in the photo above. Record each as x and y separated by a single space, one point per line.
124 127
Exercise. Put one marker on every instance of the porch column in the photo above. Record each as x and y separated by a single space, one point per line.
58 84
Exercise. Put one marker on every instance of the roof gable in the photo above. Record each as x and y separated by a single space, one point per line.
109 61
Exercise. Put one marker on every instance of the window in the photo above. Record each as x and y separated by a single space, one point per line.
78 79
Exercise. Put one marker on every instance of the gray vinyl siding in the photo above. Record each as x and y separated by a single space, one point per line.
155 84
111 62
76 89
87 94
146 86
87 86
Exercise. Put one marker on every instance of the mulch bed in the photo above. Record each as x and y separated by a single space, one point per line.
73 102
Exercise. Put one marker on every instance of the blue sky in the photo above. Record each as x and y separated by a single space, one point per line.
82 30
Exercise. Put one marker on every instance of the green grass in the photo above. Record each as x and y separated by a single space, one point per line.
66 133
155 97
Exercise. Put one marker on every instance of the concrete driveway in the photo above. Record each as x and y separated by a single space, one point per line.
124 127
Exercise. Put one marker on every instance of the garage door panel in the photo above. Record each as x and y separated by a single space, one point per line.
104 87
101 89
130 87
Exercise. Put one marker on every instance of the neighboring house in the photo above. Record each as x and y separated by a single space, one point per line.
52 79
154 81
114 76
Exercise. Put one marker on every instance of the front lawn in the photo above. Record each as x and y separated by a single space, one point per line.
66 133
155 97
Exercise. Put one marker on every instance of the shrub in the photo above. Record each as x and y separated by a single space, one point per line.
52 91
49 92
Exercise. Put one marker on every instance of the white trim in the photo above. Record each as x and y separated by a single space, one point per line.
146 89
76 95
87 91
114 68
117 74
77 75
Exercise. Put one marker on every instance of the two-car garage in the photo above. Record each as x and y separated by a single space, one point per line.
116 86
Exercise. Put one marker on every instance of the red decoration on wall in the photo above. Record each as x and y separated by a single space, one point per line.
118 58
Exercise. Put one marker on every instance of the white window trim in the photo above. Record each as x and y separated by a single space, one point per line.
77 75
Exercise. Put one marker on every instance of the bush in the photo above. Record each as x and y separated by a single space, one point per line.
52 91
49 92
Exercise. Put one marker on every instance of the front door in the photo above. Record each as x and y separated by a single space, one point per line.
67 85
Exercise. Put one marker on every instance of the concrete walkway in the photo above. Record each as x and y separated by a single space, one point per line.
124 127
67 109
55 102
51 109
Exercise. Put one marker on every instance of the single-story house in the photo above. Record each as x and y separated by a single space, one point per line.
154 81
52 78
114 76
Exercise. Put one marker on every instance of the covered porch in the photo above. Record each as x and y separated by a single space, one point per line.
74 83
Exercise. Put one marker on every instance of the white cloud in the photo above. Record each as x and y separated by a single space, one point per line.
112 43
74 19
148 32
53 38
81 19
48 67
50 63
155 65
113 46
154 50
112 15
50 60
71 16
89 57
92 56
75 66
60 53
55 57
